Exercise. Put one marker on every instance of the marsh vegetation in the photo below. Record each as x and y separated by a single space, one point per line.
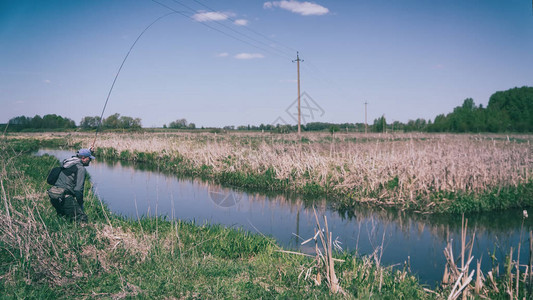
46 256
421 172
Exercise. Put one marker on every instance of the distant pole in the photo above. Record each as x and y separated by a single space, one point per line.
299 112
366 124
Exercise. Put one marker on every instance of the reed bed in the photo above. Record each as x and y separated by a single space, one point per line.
418 171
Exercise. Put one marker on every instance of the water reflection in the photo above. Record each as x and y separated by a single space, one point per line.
139 190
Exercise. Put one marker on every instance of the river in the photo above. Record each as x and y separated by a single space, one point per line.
400 239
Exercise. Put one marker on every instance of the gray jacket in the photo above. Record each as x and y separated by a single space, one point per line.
72 178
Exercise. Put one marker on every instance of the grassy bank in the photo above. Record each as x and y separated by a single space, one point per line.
427 173
44 256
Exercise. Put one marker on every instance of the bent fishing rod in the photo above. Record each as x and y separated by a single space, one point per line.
120 69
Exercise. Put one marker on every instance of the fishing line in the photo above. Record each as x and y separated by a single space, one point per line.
119 69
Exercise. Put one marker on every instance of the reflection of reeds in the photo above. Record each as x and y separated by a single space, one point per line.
390 169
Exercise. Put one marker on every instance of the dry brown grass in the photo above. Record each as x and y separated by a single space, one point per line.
422 163
391 168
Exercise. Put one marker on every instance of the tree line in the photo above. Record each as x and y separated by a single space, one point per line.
114 121
507 111
55 122
46 122
510 110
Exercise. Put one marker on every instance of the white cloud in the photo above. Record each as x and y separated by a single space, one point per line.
47 81
302 8
223 54
249 55
241 22
210 16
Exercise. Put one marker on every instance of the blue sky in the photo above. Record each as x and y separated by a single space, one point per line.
218 63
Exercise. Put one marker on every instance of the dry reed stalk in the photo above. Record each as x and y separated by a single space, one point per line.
517 279
479 284
508 272
308 255
494 286
530 273
524 216
5 201
324 255
462 275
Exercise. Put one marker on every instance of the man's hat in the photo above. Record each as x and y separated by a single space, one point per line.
86 153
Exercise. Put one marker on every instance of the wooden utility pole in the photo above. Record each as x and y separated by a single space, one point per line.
366 124
299 112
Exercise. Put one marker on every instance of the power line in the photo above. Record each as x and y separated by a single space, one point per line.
217 29
313 71
231 29
292 50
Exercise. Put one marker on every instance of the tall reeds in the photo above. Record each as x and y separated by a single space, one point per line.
424 172
514 283
23 233
324 246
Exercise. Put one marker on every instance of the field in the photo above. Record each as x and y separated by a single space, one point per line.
43 256
420 172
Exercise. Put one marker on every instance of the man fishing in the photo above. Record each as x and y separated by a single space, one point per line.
70 184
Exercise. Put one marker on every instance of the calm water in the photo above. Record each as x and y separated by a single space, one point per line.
135 191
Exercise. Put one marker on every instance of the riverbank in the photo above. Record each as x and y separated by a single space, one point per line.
43 256
429 173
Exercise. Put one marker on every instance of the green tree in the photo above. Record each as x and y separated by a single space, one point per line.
178 124
90 122
129 123
112 122
515 107
115 121
380 124
36 122
333 129
51 121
